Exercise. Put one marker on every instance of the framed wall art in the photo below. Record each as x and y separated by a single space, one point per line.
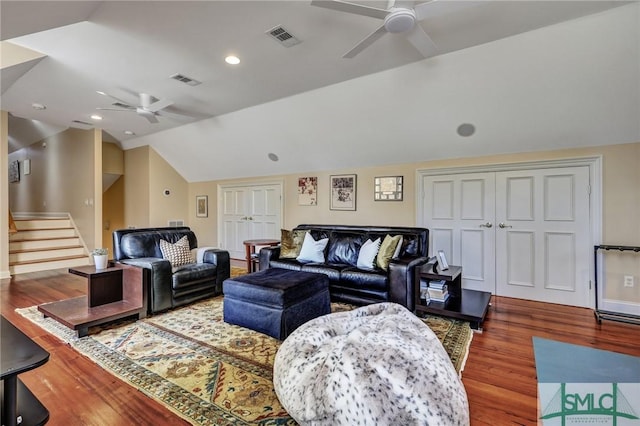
308 191
14 171
202 206
388 188
343 192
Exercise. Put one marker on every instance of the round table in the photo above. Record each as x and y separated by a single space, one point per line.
250 248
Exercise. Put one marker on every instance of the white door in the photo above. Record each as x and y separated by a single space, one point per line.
542 235
522 233
460 214
248 212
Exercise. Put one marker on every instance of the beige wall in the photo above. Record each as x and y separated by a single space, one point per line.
4 194
62 179
163 208
112 212
621 200
147 175
136 193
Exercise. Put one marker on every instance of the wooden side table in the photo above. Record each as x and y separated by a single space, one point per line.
464 304
250 248
112 293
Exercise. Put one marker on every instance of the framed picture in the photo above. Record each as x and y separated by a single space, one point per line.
442 261
308 191
14 171
202 206
387 188
343 192
26 166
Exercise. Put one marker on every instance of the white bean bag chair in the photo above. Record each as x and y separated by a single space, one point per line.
375 365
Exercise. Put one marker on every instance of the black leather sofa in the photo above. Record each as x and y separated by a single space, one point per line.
349 284
169 287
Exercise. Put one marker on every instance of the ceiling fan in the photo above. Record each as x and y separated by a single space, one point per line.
149 108
397 19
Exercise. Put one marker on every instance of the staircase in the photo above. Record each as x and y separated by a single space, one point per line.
44 243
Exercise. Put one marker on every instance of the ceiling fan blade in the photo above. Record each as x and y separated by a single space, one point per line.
368 41
436 8
421 41
357 9
149 115
157 106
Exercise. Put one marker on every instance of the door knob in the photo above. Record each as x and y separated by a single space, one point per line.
502 225
486 225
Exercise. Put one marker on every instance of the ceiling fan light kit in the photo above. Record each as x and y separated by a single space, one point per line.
396 20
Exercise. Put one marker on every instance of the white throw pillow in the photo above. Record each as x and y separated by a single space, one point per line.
368 253
396 253
312 250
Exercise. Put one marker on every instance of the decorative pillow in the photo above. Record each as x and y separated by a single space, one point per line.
177 254
396 253
291 243
368 253
343 248
387 249
312 250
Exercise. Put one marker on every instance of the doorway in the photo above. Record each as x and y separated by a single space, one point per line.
523 230
247 212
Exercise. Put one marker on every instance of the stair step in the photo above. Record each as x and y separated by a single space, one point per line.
65 262
37 234
43 243
46 254
42 223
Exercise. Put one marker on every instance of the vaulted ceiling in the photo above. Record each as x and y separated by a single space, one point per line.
501 66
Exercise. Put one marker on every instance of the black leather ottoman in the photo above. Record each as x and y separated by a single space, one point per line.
275 301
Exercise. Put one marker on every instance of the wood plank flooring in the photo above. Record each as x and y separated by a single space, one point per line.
499 377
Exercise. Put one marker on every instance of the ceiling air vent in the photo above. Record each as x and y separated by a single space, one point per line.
82 124
282 36
186 80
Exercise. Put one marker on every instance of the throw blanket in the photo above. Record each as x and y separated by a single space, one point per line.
375 365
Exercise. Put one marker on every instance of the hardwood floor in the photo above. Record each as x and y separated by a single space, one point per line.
499 377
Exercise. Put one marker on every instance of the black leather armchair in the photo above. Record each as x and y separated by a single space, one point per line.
349 284
169 287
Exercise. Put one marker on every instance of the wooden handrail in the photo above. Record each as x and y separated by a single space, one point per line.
12 224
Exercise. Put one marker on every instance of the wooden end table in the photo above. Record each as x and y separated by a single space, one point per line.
112 293
464 304
19 354
250 248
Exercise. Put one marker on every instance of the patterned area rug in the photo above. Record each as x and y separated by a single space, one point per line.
205 370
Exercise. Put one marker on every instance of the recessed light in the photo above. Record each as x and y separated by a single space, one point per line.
96 117
129 133
38 106
232 60
466 129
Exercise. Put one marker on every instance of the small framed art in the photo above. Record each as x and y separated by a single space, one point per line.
343 192
442 261
14 171
387 188
308 191
202 206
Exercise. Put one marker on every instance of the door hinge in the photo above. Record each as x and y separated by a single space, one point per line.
589 284
589 189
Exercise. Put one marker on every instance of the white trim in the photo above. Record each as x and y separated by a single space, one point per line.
595 182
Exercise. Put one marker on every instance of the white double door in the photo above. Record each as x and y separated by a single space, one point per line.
247 213
521 233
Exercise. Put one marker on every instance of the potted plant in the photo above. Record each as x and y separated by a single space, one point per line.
100 257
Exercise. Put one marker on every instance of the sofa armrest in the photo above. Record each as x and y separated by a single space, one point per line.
158 280
221 259
267 254
402 280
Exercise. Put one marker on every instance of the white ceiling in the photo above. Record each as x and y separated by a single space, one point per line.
128 47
